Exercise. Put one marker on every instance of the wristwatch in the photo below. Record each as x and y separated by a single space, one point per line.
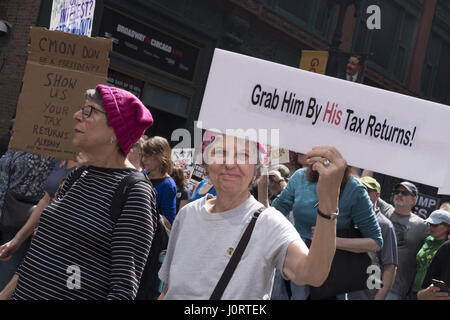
332 216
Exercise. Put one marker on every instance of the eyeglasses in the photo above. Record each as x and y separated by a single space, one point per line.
86 111
404 193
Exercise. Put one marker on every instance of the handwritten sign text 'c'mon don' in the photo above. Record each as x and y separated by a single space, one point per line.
59 69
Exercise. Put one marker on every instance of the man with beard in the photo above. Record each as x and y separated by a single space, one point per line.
411 231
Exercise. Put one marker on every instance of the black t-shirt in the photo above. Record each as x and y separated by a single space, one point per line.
439 268
182 194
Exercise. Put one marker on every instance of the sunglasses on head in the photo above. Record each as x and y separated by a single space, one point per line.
404 193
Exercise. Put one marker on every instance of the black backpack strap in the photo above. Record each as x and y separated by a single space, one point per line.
121 193
235 258
78 172
72 178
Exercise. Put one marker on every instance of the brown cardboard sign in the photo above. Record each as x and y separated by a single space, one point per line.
60 68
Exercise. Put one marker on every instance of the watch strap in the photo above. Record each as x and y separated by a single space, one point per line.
332 216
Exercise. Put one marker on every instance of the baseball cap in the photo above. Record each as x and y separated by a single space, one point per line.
439 216
370 183
408 186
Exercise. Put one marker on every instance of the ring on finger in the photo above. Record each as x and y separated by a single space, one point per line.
326 162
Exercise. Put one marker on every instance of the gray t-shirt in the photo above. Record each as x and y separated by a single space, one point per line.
411 231
200 245
387 255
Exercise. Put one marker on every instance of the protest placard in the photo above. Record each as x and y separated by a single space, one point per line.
375 129
59 69
425 205
73 16
184 158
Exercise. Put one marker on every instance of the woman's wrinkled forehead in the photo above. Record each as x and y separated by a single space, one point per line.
230 145
230 142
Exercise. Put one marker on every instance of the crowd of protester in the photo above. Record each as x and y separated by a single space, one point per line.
72 226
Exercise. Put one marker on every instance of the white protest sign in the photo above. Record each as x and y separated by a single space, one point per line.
73 16
184 158
374 129
445 189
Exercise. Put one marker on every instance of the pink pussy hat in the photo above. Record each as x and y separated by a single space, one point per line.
126 114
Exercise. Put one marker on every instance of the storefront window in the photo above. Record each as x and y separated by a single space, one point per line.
166 100
120 80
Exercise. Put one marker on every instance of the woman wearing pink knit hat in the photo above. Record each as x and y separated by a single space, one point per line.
79 250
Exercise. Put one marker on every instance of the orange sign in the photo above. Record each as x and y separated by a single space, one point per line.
314 61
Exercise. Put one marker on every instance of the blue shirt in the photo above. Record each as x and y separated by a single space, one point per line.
166 196
300 196
56 177
197 195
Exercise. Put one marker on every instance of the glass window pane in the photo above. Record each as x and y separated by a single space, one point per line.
409 24
383 41
165 100
442 84
426 79
398 66
298 8
323 16
362 37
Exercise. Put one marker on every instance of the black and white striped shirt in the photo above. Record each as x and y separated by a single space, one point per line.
78 252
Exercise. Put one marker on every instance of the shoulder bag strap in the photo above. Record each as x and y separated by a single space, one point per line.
122 190
235 258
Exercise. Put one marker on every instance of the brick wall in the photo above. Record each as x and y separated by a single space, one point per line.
13 51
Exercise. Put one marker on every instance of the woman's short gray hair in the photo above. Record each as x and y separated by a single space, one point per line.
95 96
